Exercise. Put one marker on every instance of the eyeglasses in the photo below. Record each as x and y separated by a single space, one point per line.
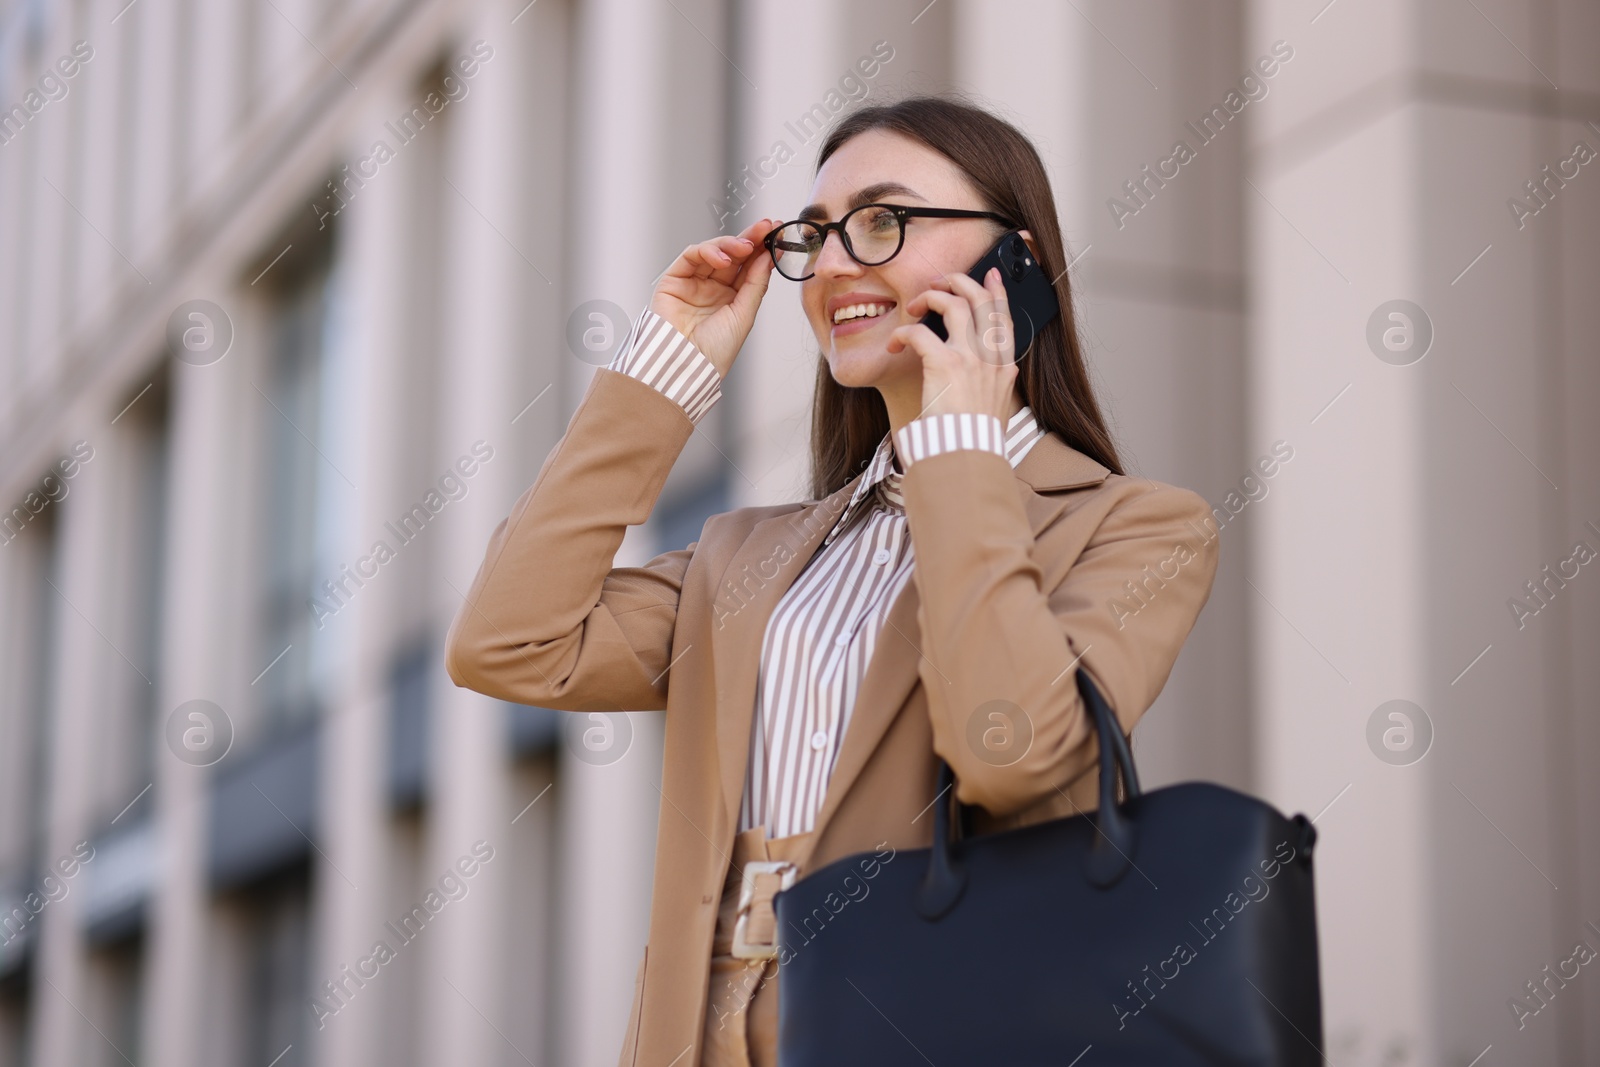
872 234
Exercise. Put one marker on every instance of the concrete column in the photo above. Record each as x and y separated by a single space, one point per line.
200 661
158 114
377 259
485 279
102 88
52 132
282 55
1449 460
18 189
615 133
81 587
213 136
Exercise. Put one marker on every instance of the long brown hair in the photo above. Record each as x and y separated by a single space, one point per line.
848 423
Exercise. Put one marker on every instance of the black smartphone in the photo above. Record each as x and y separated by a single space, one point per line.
1031 297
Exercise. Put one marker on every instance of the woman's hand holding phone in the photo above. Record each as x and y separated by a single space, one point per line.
975 369
712 290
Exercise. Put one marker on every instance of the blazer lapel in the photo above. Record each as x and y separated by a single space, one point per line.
1050 464
747 592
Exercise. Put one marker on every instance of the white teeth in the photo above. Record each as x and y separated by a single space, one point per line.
858 311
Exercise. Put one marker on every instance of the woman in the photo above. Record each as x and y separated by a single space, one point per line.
972 542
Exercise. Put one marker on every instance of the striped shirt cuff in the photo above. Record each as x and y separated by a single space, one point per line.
949 432
658 355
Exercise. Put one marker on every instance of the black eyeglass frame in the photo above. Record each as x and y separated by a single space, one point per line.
902 212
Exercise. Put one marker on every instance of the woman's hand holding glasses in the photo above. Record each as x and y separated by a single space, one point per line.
712 290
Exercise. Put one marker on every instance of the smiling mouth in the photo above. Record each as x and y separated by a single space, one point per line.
858 312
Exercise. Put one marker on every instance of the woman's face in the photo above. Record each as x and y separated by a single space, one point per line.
883 167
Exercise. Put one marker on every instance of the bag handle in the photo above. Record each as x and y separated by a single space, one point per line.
1109 857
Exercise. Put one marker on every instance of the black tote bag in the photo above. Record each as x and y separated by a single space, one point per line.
1175 928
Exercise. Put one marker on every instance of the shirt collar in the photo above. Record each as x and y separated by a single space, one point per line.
883 475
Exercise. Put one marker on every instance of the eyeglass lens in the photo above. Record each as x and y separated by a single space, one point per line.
873 238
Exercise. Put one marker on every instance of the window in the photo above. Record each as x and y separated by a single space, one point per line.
306 492
126 734
272 971
114 995
28 613
15 1038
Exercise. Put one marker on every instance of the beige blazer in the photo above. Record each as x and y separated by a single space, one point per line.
1020 576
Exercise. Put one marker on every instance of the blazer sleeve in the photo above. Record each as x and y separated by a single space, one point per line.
548 620
992 632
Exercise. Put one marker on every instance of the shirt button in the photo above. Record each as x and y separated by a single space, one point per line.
819 739
881 556
842 640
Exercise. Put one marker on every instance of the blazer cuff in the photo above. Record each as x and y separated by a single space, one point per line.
951 431
658 355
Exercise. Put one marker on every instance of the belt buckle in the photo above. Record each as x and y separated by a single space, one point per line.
742 947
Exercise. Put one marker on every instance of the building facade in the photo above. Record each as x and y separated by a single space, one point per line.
296 296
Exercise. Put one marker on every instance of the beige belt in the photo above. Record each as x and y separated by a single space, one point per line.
741 1028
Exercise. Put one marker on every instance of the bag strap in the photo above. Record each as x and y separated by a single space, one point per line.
1112 852
1109 857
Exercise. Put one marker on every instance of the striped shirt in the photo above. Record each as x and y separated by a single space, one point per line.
822 632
